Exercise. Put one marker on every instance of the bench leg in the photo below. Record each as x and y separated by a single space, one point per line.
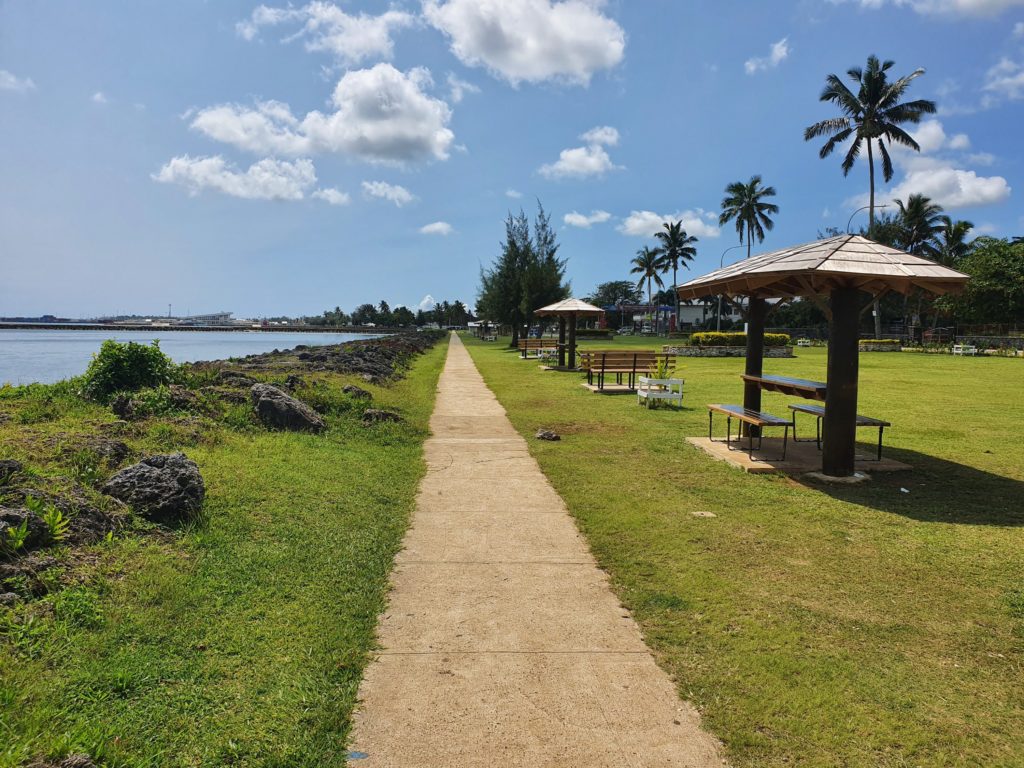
728 432
818 439
711 416
880 443
785 440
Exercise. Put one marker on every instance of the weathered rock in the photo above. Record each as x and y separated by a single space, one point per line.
163 488
279 410
294 382
547 434
37 532
111 452
181 397
7 599
235 379
123 407
236 396
377 416
71 761
357 392
9 468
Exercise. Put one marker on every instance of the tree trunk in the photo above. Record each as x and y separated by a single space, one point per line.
750 234
875 305
675 290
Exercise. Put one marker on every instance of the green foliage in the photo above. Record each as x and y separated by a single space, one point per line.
149 402
78 607
995 292
17 535
661 369
746 205
716 339
86 467
126 368
50 514
881 342
526 276
613 292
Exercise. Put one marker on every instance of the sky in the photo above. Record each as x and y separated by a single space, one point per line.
277 158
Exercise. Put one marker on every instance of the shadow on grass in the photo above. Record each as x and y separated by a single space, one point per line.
938 491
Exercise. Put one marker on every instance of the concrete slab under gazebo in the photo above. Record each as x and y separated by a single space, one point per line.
568 311
842 275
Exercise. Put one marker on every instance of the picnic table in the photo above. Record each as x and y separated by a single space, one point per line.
805 388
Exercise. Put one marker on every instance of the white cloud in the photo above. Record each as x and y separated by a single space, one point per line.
937 171
1005 79
602 134
427 303
459 88
437 228
382 116
645 223
381 189
776 55
514 194
530 40
9 82
326 28
1018 29
99 98
583 221
948 7
332 196
951 187
267 179
590 160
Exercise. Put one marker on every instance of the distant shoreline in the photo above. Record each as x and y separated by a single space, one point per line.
231 328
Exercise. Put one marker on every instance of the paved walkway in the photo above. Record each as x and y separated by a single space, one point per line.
503 644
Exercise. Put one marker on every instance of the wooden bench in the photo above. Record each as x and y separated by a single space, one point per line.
598 363
965 349
819 411
752 418
539 347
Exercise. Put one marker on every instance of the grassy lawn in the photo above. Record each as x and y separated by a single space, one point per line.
240 640
876 625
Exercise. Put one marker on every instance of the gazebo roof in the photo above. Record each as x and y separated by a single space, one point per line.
816 268
569 307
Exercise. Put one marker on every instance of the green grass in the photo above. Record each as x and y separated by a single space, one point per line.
240 640
874 625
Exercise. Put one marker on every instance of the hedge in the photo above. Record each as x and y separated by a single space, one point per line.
717 339
880 341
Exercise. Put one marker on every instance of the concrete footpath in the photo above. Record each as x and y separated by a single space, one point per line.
503 644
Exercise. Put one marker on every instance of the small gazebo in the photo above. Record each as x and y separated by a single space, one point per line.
841 275
568 311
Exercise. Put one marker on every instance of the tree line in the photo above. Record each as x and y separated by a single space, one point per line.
444 313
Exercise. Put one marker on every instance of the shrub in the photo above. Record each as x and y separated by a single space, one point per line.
887 342
125 368
719 339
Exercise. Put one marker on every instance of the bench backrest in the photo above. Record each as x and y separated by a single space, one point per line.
637 360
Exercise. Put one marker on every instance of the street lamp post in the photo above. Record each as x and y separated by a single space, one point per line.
721 264
862 208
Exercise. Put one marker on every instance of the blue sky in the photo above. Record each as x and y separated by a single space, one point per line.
282 159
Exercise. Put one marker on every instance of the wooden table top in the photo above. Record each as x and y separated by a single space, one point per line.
813 390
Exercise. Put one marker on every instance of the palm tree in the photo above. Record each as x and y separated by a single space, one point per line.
920 224
953 245
647 264
745 204
676 247
871 116
874 114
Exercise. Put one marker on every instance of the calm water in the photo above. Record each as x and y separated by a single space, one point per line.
47 356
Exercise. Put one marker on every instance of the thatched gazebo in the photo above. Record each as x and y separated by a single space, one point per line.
568 311
841 275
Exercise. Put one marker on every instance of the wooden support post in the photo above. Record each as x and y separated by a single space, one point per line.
840 420
572 341
757 311
561 341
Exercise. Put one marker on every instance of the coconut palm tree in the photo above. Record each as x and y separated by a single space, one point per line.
676 248
647 264
953 244
745 204
920 224
871 117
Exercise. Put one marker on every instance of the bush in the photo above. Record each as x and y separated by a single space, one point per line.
126 368
593 333
717 339
888 342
